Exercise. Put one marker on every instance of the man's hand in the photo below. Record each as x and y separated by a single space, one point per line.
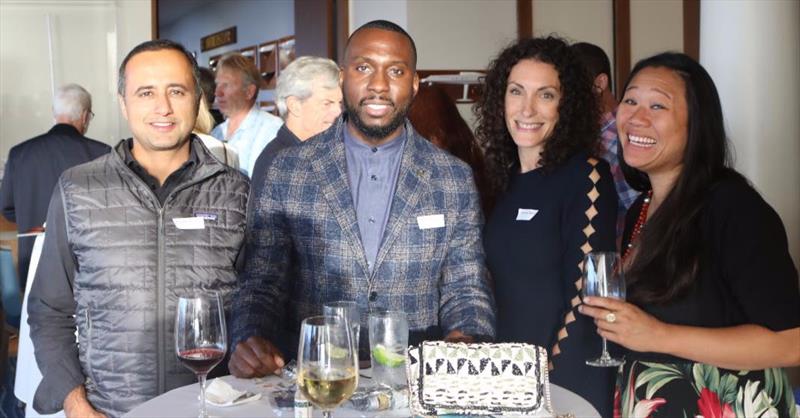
456 336
77 406
255 357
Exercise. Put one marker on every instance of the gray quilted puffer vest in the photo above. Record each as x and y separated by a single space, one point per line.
133 263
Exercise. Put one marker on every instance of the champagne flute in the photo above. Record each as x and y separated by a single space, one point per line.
200 336
602 276
327 362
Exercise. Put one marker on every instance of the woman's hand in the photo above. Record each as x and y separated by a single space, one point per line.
625 324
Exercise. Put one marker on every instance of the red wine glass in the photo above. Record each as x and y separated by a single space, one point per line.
200 336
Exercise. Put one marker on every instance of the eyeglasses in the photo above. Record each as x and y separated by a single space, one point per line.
91 115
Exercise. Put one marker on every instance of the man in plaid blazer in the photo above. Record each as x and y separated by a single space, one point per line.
366 211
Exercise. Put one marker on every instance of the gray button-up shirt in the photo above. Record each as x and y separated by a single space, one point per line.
372 172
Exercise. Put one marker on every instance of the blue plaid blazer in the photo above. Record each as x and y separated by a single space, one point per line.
303 246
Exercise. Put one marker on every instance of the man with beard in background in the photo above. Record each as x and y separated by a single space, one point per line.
367 211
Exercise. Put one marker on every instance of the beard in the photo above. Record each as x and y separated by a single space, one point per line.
376 132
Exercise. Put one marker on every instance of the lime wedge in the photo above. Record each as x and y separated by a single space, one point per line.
387 358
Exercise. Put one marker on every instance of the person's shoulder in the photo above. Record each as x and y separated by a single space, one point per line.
735 194
96 145
97 167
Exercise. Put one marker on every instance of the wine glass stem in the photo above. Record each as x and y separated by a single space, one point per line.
326 414
202 379
605 349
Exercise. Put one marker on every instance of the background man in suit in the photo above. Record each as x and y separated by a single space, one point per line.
367 211
33 166
309 100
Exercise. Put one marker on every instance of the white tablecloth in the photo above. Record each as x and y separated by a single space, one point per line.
183 402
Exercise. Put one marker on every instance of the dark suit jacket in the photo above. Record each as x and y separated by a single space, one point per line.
31 173
303 246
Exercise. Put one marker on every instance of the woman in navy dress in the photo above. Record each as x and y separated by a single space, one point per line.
538 122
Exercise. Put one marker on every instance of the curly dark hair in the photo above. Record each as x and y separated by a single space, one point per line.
578 123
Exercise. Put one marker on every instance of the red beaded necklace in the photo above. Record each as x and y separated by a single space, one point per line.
637 228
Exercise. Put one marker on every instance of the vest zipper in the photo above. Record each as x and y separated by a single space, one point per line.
160 314
89 345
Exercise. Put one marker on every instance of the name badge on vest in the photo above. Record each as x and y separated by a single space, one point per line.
526 214
194 222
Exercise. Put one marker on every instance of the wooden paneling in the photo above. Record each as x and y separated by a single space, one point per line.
153 19
691 28
524 18
622 43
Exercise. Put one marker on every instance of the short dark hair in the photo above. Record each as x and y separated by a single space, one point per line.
159 45
385 25
208 84
594 60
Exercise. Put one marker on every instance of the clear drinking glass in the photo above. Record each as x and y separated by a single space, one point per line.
200 336
349 311
327 362
602 276
388 341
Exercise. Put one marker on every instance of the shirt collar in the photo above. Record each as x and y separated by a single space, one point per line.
134 165
393 144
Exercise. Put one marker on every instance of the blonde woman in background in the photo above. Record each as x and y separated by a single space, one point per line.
202 128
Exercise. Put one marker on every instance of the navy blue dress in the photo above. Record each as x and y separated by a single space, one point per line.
535 240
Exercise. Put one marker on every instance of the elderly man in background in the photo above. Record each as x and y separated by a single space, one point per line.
33 166
247 128
156 218
309 100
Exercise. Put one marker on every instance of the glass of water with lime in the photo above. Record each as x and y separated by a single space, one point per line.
388 340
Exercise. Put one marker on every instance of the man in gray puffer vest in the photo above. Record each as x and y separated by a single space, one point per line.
127 234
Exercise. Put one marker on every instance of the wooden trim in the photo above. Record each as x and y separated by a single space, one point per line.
691 28
341 28
622 43
153 19
524 19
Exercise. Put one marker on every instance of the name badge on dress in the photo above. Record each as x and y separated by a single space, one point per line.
194 222
430 221
526 214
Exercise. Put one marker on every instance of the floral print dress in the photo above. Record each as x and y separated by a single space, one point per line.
651 389
745 275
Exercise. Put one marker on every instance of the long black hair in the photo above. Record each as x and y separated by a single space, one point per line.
578 114
670 244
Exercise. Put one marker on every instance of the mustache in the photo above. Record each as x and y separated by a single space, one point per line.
383 99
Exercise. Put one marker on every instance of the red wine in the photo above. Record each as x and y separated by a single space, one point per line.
201 360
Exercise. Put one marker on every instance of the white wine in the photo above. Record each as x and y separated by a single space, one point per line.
328 390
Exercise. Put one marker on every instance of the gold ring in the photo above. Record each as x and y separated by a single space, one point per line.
611 318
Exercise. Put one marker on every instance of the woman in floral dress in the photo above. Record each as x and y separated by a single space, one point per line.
713 309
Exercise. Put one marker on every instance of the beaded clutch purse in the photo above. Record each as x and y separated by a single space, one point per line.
478 379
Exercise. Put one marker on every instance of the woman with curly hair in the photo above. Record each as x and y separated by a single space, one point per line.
538 122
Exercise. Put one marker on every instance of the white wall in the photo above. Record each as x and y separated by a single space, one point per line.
752 51
656 26
363 11
89 39
577 21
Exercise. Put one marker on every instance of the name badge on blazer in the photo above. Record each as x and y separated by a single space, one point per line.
430 221
526 214
195 222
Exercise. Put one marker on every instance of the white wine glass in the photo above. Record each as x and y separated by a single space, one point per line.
602 276
200 336
327 362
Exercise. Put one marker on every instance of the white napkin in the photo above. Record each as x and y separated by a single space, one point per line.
220 393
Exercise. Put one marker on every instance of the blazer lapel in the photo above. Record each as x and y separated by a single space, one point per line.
330 168
411 181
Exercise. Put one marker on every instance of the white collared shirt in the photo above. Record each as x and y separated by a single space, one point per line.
256 130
